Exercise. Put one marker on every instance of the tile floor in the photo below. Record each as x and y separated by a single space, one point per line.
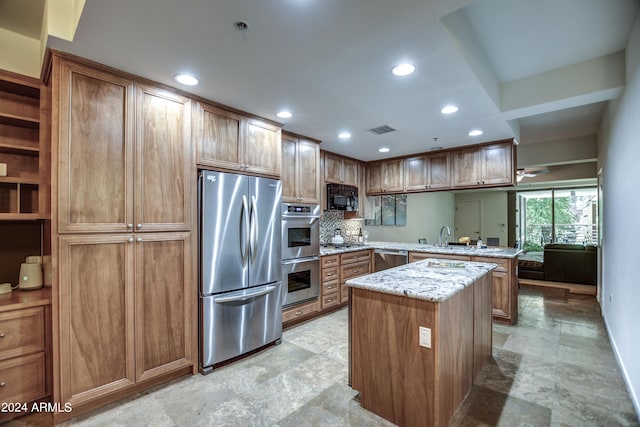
554 368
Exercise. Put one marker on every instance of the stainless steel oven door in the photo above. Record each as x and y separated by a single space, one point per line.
300 237
301 280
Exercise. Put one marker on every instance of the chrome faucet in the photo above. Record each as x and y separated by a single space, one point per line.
446 240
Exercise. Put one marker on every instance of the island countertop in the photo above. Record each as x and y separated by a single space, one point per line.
426 280
492 252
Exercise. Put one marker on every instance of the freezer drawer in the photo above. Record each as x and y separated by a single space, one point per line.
234 323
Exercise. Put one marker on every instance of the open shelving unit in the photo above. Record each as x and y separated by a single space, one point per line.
21 191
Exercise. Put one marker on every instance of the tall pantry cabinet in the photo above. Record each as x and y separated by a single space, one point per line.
124 292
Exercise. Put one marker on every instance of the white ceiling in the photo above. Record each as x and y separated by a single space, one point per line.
329 62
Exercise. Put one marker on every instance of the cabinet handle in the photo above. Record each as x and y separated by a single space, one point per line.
129 225
139 239
328 287
130 240
331 274
139 226
2 335
299 312
2 384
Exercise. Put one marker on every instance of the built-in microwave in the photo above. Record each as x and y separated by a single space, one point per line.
342 197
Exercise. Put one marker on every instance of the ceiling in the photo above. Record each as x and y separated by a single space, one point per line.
535 70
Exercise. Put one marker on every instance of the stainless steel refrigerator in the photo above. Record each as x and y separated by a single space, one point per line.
240 272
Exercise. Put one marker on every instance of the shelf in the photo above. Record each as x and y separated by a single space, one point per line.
19 216
20 180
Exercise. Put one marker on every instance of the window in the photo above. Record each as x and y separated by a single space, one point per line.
558 216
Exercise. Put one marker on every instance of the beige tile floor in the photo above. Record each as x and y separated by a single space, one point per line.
554 368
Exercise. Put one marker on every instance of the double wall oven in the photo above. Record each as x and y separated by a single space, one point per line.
300 252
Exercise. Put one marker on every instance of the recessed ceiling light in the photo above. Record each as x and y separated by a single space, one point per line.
402 70
449 109
475 132
384 150
186 79
344 135
285 114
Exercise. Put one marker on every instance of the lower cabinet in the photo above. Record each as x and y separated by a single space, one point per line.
125 313
25 358
303 311
330 286
353 264
504 280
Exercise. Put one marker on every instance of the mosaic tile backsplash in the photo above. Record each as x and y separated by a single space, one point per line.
330 220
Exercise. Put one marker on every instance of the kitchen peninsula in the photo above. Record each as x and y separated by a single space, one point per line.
418 336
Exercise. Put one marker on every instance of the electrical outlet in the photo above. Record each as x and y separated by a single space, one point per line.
425 336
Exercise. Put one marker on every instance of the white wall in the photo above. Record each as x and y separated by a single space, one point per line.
618 157
426 214
494 215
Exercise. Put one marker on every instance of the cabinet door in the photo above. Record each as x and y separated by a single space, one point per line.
466 170
218 137
497 164
501 295
393 180
374 178
438 170
308 167
289 169
95 154
164 300
164 168
261 148
332 168
415 172
349 172
96 316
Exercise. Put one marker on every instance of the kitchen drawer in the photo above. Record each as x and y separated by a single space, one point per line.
503 264
22 378
330 261
330 300
331 273
357 256
354 270
21 332
330 286
300 311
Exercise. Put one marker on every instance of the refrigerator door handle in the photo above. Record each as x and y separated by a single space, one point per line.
254 229
244 237
244 297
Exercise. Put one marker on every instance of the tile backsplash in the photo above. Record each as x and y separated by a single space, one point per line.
330 220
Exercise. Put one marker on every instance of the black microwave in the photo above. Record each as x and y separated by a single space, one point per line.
342 197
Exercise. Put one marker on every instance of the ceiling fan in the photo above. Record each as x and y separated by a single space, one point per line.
522 173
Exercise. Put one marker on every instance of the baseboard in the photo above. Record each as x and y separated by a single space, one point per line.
625 376
573 288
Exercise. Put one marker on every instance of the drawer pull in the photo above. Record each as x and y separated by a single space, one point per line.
328 287
2 384
299 312
2 335
331 274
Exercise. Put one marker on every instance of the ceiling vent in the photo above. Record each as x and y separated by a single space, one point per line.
381 129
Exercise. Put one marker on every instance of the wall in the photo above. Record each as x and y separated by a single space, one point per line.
619 152
494 214
426 214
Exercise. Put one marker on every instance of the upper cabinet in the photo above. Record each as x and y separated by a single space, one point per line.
22 149
301 170
340 170
230 141
386 176
428 172
485 165
112 177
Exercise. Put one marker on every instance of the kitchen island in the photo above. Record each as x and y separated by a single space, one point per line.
418 336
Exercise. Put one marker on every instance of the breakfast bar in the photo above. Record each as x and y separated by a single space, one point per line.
418 336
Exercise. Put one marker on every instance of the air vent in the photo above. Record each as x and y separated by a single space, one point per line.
381 129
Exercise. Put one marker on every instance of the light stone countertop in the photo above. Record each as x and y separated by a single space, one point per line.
423 281
492 252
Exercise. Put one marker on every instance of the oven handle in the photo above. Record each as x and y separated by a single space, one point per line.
244 297
304 219
300 260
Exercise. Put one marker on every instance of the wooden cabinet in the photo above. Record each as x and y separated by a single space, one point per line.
134 322
330 285
25 363
230 141
385 176
505 288
23 192
299 312
114 177
340 170
504 282
428 172
301 170
486 165
353 264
